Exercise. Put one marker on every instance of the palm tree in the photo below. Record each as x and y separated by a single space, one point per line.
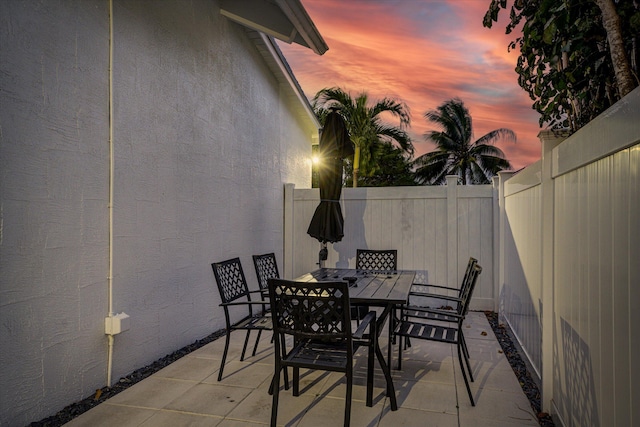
365 124
475 162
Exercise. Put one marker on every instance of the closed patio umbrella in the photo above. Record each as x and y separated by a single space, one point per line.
327 224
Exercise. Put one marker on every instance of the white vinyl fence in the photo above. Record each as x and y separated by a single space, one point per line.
570 268
434 229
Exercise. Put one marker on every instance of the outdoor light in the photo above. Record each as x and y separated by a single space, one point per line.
315 159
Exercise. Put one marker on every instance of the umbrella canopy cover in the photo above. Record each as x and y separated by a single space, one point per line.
327 224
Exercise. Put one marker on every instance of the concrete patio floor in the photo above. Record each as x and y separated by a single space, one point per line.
429 388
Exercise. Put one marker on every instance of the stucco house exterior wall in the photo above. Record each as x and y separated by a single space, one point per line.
204 134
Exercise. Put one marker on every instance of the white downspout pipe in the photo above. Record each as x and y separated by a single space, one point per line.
111 185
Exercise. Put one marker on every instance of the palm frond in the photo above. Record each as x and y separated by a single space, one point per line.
473 161
498 134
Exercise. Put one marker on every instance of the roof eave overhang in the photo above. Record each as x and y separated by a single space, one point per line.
286 20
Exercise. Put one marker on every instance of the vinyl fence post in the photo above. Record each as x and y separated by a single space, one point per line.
452 231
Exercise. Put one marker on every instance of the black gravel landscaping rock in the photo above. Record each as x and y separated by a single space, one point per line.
529 386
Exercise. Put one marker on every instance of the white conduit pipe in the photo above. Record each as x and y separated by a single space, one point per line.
111 184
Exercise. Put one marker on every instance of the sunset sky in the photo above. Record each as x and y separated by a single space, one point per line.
421 52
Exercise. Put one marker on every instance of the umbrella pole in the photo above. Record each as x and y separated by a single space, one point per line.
323 255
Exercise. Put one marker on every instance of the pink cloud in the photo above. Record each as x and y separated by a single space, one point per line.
422 53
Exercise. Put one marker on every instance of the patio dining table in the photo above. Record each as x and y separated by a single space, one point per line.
385 289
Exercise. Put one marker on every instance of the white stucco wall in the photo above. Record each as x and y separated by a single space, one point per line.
204 139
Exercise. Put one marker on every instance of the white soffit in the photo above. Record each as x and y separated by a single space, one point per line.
286 20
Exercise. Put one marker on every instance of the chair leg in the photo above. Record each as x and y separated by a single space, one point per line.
391 343
283 349
275 385
347 407
464 375
387 375
407 341
400 338
255 346
370 362
296 381
244 347
465 352
393 320
224 354
464 347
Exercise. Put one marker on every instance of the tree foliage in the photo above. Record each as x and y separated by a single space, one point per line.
566 52
475 162
392 168
366 127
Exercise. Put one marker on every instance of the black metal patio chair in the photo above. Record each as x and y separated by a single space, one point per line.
446 332
373 260
377 260
235 293
447 302
266 268
317 317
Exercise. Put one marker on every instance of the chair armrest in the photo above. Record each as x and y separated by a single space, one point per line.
227 304
437 296
364 323
428 285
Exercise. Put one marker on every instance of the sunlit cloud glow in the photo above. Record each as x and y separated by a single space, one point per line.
422 53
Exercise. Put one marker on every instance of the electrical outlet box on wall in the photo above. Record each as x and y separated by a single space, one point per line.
115 324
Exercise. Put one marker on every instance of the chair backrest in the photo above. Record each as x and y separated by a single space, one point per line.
463 308
231 281
467 275
266 268
369 259
318 310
